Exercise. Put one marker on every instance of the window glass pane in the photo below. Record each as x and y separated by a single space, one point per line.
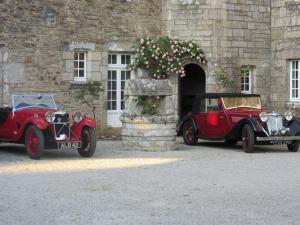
113 95
123 59
81 56
114 75
114 59
122 105
128 75
114 85
108 105
81 73
128 59
81 65
114 105
75 64
122 75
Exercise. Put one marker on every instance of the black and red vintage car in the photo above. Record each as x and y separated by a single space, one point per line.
34 120
238 117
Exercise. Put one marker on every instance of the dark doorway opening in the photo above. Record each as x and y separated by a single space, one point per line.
189 86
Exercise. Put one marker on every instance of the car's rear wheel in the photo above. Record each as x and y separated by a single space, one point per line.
294 146
248 138
34 142
189 133
88 138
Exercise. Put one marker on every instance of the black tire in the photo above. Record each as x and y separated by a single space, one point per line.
294 146
248 138
88 138
34 142
189 133
231 142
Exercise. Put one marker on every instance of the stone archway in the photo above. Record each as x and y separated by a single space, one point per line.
192 84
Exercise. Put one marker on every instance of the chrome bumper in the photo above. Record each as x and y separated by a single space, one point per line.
278 138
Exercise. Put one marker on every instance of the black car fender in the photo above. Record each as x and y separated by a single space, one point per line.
294 127
186 118
235 133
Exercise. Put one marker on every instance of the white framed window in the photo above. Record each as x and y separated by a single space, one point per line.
294 80
246 80
116 77
80 65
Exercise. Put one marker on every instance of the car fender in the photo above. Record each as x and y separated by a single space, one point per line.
294 127
85 122
236 131
39 123
185 118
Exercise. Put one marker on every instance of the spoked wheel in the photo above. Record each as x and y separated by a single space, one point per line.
294 146
248 138
189 134
34 141
88 138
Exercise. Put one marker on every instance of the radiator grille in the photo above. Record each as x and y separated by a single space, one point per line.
274 124
61 125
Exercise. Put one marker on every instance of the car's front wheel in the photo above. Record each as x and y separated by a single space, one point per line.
189 133
248 138
34 142
294 146
88 138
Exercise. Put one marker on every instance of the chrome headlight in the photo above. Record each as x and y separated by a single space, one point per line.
288 115
263 117
77 117
50 117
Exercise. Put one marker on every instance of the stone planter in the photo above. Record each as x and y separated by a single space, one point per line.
153 133
145 132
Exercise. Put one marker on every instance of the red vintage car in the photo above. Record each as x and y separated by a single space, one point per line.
238 117
34 120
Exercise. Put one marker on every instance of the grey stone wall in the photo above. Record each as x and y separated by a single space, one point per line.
40 35
232 34
285 46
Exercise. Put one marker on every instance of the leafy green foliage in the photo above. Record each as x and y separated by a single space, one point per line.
149 104
88 93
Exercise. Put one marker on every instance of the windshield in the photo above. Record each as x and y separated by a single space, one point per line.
241 102
33 101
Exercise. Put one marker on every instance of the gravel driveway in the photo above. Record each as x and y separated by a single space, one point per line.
203 184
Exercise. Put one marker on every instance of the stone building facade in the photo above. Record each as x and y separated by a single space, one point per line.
42 41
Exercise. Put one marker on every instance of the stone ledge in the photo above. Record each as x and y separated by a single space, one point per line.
134 119
148 87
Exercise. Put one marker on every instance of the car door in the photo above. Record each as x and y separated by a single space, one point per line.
212 124
8 127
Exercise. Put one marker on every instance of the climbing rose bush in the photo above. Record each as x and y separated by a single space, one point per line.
162 56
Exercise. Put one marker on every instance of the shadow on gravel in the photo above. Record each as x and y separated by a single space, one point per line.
238 147
13 149
16 150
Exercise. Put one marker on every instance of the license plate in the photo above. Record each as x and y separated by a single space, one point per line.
69 145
